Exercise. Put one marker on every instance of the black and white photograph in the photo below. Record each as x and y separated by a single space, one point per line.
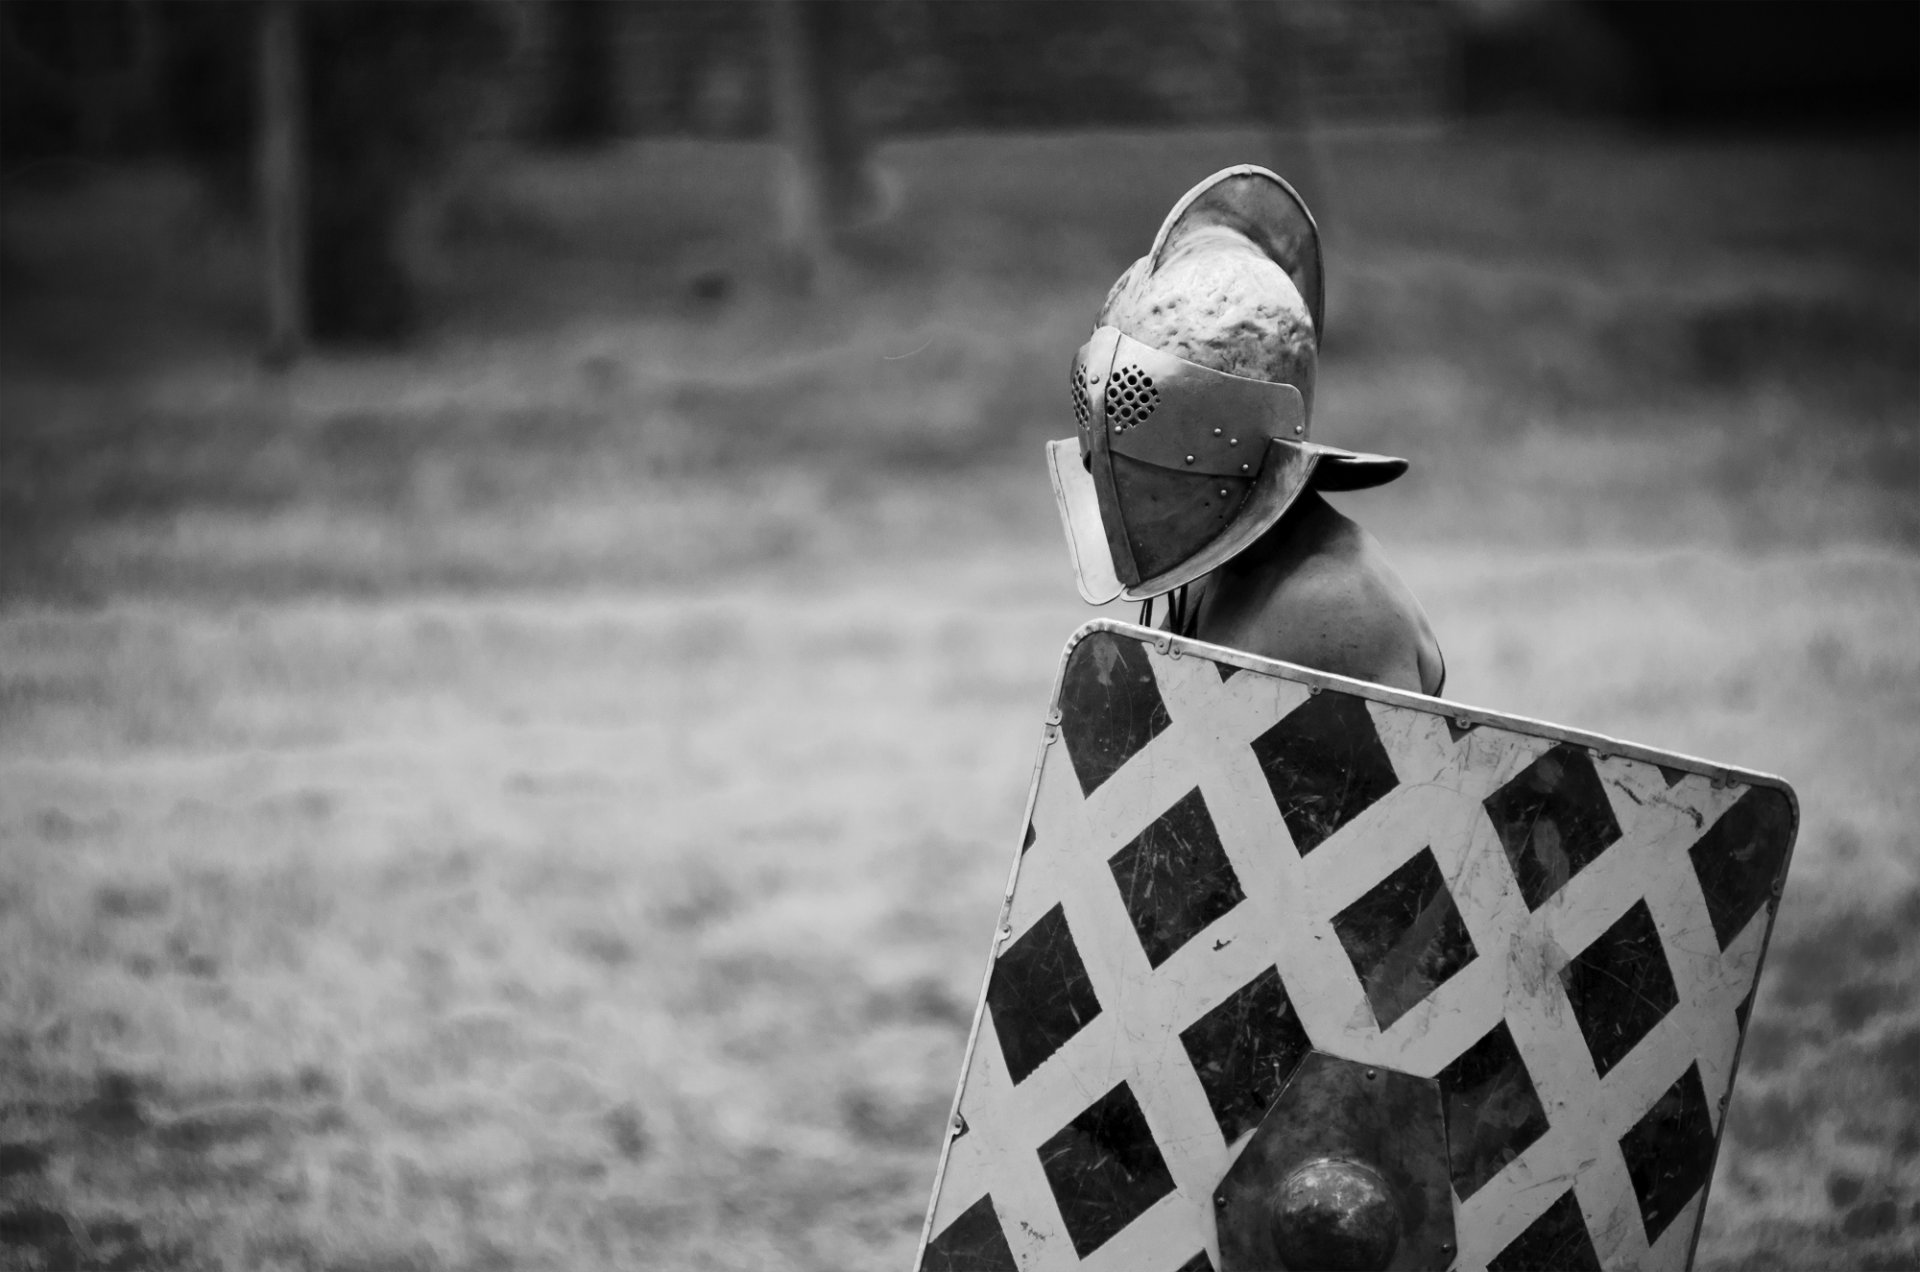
959 635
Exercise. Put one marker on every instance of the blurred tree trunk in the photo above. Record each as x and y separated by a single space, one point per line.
281 172
824 182
582 105
393 92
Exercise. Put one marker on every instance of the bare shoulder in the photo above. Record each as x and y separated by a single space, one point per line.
1330 600
1347 611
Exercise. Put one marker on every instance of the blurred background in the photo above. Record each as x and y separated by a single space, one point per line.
528 589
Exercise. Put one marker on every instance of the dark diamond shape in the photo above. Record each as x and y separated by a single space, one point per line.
1620 987
1557 1240
1244 1050
1110 706
973 1242
1104 1169
1198 1263
1405 937
1552 819
1027 842
1227 671
1457 729
1739 859
1175 878
1040 994
1670 775
1325 765
1745 1009
1669 1152
1493 1112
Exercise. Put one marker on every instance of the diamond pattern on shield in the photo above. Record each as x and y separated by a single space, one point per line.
1620 987
1110 706
1669 1152
1493 1112
1175 878
971 1243
1104 1169
1244 1050
1325 766
1738 860
1040 994
1553 819
1405 937
1548 1043
1557 1239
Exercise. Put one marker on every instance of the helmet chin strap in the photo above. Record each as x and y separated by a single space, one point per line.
1177 615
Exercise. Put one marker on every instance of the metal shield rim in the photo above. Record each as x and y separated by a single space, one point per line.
1461 712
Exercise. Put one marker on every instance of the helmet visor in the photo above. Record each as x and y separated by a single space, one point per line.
1180 467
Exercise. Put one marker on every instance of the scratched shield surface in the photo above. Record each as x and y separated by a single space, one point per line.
1230 862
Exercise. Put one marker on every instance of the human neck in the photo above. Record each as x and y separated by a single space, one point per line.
1305 529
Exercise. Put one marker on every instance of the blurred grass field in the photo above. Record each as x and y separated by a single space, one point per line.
540 800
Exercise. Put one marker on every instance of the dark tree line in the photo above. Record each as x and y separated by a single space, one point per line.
379 94
323 116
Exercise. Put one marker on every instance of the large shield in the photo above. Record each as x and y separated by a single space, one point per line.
1267 922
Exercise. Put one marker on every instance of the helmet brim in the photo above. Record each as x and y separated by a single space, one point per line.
1291 468
1341 469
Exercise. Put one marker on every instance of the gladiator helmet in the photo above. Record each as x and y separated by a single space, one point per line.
1194 395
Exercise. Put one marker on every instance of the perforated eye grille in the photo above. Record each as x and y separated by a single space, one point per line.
1131 397
1082 406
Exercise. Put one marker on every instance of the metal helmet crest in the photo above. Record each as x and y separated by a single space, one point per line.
1194 396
